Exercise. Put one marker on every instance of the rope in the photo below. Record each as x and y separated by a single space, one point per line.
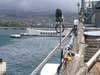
67 49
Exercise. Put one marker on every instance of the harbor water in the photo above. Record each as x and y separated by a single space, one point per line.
24 54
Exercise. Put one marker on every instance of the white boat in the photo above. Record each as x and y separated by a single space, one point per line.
15 35
31 31
34 32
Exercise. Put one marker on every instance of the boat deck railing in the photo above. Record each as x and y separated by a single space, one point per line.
52 53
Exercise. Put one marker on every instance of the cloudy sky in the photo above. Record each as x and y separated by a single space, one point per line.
39 5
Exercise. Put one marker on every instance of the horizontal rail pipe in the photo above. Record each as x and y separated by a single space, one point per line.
92 61
88 65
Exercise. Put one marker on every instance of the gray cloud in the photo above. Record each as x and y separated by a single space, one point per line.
39 5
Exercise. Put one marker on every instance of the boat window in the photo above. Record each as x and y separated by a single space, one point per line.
41 33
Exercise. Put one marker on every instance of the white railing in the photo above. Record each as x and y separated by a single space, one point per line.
92 61
88 65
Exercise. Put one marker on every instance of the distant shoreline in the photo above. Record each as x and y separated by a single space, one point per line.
25 28
22 28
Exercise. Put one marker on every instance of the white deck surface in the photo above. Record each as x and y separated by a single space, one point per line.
49 69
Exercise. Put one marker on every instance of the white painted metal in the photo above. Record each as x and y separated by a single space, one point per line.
90 62
76 22
49 69
2 68
92 33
